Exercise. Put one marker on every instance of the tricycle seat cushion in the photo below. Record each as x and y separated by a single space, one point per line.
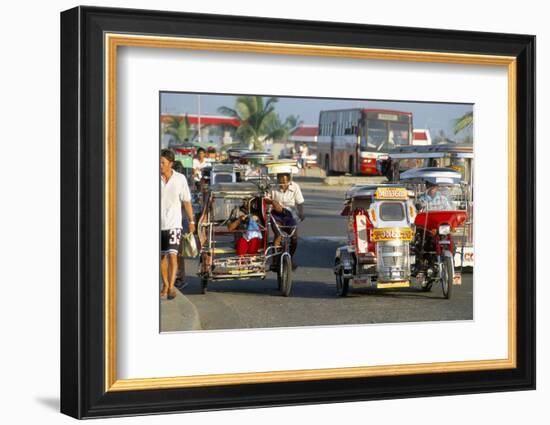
224 250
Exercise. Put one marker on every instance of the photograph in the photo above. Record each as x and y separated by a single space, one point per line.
279 211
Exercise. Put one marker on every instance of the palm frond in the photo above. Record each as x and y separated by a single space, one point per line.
464 122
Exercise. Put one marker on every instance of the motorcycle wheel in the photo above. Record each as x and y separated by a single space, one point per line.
447 273
284 275
342 283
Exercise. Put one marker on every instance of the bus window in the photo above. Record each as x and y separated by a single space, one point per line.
400 133
377 135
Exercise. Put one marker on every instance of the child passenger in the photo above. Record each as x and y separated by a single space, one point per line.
248 241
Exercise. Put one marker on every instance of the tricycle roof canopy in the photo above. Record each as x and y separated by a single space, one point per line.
385 191
236 189
456 150
281 166
435 175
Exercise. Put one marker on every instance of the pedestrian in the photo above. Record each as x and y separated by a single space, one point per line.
174 194
304 153
287 204
199 163
180 275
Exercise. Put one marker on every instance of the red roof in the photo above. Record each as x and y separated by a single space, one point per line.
306 131
420 135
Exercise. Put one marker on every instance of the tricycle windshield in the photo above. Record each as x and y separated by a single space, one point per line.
391 211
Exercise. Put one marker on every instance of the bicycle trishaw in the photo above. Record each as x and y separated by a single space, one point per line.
218 254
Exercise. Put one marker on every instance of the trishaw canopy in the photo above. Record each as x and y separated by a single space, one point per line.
280 166
455 150
434 175
240 189
379 191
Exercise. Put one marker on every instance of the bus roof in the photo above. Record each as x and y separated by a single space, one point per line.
384 111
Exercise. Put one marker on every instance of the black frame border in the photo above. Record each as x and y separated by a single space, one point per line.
82 212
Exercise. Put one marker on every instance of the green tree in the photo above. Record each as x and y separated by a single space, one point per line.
179 128
464 122
258 118
280 130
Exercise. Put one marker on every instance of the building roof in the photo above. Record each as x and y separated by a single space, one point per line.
306 131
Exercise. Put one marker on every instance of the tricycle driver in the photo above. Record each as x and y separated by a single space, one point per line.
287 204
434 199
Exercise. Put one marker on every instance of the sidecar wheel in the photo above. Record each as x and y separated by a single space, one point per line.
342 283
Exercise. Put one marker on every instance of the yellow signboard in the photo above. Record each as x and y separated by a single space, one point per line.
391 193
391 234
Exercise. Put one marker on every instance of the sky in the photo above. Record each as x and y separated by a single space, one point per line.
434 116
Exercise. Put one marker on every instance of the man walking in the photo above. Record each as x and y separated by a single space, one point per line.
174 192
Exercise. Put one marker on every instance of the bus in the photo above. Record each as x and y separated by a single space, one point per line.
352 140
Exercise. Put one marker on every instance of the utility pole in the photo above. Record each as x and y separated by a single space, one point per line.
199 117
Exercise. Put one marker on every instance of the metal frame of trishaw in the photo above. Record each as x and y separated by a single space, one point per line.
217 257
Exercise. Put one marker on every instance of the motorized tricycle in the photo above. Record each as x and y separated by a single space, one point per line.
442 208
380 221
459 157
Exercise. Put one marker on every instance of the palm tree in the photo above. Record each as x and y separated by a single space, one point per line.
280 130
179 128
464 122
258 119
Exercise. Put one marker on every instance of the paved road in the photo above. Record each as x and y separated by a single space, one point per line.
257 303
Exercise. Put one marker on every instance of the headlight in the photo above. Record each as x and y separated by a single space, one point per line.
444 229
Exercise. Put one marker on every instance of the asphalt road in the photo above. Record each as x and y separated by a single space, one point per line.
313 300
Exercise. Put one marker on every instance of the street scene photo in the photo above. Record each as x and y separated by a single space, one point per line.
280 211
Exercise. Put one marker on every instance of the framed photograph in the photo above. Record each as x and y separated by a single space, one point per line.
263 212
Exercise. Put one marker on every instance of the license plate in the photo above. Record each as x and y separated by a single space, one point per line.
390 285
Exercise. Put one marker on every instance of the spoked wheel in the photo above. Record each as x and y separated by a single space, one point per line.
342 283
447 274
204 285
284 275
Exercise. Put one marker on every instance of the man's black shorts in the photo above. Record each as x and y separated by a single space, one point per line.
170 241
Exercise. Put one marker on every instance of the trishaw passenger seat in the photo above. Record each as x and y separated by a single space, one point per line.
224 250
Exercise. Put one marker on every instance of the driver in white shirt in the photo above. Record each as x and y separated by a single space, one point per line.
288 207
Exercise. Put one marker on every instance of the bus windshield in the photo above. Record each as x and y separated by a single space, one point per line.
383 135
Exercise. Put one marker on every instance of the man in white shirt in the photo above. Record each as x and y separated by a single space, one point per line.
304 152
288 207
174 194
199 163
